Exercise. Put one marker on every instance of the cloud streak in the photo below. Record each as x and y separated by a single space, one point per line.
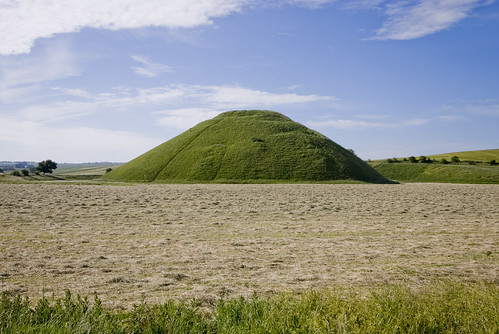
410 19
148 68
70 144
349 124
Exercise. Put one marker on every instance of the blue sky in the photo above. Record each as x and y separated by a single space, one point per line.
86 81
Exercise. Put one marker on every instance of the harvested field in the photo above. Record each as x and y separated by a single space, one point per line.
211 241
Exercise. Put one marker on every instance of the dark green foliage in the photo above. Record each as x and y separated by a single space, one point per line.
46 166
455 159
493 162
422 159
25 172
16 173
413 160
444 161
244 146
446 307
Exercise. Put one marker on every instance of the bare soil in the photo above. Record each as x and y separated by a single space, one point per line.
157 242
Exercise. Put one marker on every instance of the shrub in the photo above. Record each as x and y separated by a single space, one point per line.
108 170
493 162
413 160
444 161
422 159
15 173
455 159
25 172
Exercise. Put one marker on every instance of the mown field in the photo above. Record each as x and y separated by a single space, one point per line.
410 244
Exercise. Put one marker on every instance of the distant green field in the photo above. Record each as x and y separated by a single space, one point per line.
478 156
84 169
474 167
451 173
482 155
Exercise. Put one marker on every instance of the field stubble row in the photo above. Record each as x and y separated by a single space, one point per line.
211 241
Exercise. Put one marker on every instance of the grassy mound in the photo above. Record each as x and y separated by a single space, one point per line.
245 146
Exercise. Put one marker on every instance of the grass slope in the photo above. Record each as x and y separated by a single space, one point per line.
451 173
244 146
482 155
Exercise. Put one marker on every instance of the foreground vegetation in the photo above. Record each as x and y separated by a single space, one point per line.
448 307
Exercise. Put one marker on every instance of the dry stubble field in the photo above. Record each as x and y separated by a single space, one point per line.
213 241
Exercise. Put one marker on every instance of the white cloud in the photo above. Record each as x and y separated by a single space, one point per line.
20 77
416 122
57 111
360 124
22 22
345 124
199 96
240 97
72 144
148 68
410 19
184 118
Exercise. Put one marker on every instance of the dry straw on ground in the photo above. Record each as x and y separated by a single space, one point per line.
213 241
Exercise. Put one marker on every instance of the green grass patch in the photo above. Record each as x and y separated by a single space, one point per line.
446 307
450 173
481 155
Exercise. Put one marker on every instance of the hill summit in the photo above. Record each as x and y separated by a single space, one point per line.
247 146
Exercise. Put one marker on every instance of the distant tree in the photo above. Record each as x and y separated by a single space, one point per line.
25 172
444 161
16 173
422 159
413 159
455 159
108 170
429 161
493 162
1 170
46 166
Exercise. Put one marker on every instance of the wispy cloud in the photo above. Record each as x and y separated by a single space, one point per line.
411 19
22 22
352 124
85 143
184 118
21 76
346 124
416 122
212 97
148 68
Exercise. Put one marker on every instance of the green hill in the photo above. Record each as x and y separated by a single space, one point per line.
481 156
436 172
247 146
